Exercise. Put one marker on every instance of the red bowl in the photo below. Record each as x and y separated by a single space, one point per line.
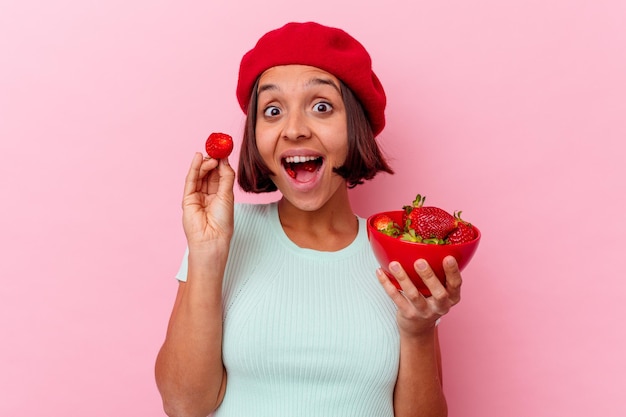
387 248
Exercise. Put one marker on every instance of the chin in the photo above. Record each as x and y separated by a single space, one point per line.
304 204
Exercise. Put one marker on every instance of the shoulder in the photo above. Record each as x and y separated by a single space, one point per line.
250 213
252 208
254 221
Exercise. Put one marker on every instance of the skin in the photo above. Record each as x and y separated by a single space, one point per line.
300 111
189 371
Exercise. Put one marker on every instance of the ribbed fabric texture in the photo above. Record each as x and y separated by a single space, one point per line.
306 333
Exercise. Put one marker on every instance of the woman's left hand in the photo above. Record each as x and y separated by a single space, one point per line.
417 314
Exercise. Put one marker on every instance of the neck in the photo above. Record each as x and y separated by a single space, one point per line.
331 227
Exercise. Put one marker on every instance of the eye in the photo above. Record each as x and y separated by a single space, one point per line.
322 107
271 111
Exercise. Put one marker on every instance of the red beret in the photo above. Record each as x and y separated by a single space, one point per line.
329 49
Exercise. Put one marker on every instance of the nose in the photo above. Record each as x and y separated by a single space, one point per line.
296 126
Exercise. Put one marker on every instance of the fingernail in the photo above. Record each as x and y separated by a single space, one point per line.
450 261
421 265
394 267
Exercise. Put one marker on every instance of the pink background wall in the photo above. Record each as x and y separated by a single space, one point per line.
511 111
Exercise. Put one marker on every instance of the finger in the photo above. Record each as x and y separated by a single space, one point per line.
222 180
390 288
436 288
409 289
208 165
191 180
453 278
227 178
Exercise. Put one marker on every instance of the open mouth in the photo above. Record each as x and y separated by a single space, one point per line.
302 168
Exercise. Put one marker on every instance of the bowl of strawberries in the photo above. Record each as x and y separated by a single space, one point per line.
421 232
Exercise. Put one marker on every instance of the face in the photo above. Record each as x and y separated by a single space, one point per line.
301 133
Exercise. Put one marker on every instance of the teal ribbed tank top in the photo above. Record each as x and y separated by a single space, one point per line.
306 333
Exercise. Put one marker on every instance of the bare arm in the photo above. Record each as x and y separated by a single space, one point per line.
419 389
189 370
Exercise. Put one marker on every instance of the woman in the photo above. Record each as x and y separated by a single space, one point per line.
278 311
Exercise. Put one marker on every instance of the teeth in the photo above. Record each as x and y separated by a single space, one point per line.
299 159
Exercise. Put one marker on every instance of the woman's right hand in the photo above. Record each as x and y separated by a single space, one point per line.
189 369
208 201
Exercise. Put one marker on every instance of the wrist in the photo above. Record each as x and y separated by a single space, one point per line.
424 336
212 256
211 247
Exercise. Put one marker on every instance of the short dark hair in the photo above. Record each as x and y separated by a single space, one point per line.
363 161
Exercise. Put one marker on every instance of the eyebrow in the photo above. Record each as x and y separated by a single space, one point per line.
322 81
311 82
267 87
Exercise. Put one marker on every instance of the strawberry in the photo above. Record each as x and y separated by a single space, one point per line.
386 225
219 145
430 223
464 231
